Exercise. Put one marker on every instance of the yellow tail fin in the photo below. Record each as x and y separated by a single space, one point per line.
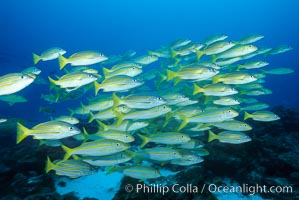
214 58
62 61
196 89
212 136
49 165
173 53
247 115
53 83
199 54
176 81
170 75
36 58
91 117
144 139
102 125
85 134
116 101
184 122
120 117
215 79
68 152
106 71
97 87
22 132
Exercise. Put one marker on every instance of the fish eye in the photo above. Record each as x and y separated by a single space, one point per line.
164 107
71 128
182 137
229 111
117 144
126 136
174 153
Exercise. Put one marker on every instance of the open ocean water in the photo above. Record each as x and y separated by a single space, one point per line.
118 32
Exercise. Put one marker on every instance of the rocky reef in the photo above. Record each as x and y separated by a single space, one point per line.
270 159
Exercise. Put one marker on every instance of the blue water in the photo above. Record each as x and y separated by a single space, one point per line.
115 26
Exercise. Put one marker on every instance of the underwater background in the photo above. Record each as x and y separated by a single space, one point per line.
114 27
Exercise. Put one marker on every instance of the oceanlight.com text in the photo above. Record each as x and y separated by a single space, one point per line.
213 188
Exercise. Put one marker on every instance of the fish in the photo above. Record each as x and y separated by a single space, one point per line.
231 137
164 138
226 101
99 104
131 71
82 58
215 48
14 82
2 120
191 144
49 54
124 126
195 73
145 60
257 92
278 71
187 160
31 70
255 106
186 50
47 110
215 115
234 78
253 65
236 51
70 168
138 101
179 43
68 119
138 172
215 90
109 160
155 116
100 147
13 98
214 38
109 113
143 114
50 143
73 81
279 50
232 125
159 154
119 83
51 130
110 134
173 98
250 39
264 116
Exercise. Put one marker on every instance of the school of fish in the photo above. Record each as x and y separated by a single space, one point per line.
162 107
